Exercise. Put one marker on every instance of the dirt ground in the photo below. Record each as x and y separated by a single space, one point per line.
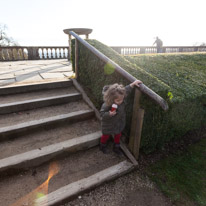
135 189
129 190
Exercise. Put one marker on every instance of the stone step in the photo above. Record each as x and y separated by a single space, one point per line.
25 127
49 145
31 95
34 87
72 190
45 136
23 187
41 155
41 113
38 103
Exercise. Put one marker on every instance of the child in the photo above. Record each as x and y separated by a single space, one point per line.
113 120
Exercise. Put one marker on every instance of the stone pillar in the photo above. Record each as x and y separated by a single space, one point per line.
78 31
70 49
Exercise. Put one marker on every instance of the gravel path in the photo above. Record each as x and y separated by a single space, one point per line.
132 189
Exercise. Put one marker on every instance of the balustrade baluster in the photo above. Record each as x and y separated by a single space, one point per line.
52 54
20 53
56 53
64 55
59 53
7 54
1 54
47 55
54 50
43 57
23 55
10 56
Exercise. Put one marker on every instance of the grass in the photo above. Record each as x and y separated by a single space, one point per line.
182 176
185 73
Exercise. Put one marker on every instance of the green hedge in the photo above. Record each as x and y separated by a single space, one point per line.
159 126
184 73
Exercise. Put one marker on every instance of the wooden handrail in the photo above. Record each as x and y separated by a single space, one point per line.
143 88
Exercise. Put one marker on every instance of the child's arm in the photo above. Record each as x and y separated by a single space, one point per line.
131 86
105 112
136 82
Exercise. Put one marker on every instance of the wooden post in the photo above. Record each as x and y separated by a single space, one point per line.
136 125
76 58
138 132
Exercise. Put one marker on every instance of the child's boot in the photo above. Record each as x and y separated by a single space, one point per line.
103 148
117 149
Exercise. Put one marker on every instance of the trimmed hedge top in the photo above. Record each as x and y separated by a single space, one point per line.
149 80
184 73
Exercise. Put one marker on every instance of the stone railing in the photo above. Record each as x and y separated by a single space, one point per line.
13 53
132 50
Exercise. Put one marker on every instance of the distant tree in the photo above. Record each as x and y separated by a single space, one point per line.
5 40
199 44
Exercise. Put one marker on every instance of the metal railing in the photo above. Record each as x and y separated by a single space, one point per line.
13 53
133 50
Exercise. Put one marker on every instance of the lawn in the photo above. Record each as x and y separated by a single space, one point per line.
182 176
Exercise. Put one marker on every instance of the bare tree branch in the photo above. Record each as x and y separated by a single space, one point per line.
5 40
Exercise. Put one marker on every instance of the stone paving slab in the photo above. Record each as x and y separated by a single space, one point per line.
15 72
7 82
65 69
28 78
52 75
55 69
68 74
22 72
7 76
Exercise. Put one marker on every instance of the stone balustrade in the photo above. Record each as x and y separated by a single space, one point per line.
13 53
132 50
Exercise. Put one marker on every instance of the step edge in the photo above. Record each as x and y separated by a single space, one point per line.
78 187
39 100
28 87
33 155
43 121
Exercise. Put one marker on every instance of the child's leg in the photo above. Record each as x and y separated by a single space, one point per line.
116 147
103 143
117 138
104 138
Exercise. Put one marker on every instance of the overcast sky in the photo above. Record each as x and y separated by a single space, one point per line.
114 22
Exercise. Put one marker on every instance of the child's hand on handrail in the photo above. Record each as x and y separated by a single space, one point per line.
136 82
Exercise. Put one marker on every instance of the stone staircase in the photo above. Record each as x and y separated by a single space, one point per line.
49 137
